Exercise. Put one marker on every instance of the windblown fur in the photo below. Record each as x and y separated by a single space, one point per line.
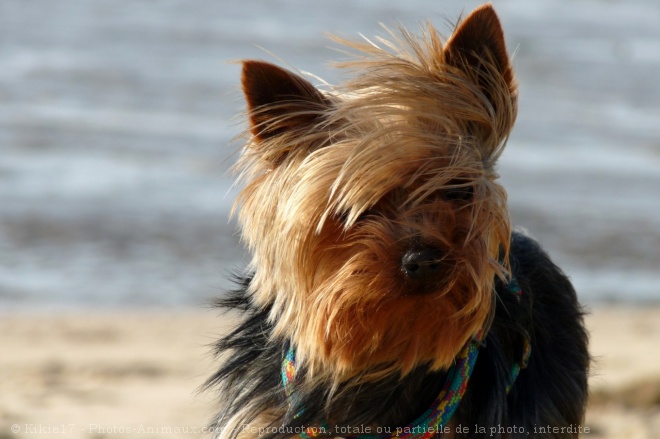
339 186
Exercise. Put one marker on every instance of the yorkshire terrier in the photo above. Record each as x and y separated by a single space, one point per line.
387 295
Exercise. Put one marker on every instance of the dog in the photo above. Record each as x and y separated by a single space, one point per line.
388 294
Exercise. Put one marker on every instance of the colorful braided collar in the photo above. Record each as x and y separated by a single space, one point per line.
426 425
429 423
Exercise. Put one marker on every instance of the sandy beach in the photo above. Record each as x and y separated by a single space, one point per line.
137 374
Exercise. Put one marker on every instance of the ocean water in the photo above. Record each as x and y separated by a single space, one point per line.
117 119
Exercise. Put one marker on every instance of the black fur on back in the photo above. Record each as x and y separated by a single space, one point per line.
551 391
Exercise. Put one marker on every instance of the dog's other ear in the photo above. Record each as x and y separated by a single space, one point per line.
477 47
278 100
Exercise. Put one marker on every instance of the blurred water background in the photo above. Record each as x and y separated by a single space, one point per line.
116 120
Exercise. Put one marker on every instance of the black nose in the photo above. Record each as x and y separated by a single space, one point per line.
422 264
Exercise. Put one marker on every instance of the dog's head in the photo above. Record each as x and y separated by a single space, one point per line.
372 209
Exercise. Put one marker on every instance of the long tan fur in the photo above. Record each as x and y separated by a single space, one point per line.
339 183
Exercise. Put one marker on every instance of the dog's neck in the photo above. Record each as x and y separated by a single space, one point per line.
427 424
430 398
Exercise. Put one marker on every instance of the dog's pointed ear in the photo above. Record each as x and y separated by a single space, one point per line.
477 47
279 100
